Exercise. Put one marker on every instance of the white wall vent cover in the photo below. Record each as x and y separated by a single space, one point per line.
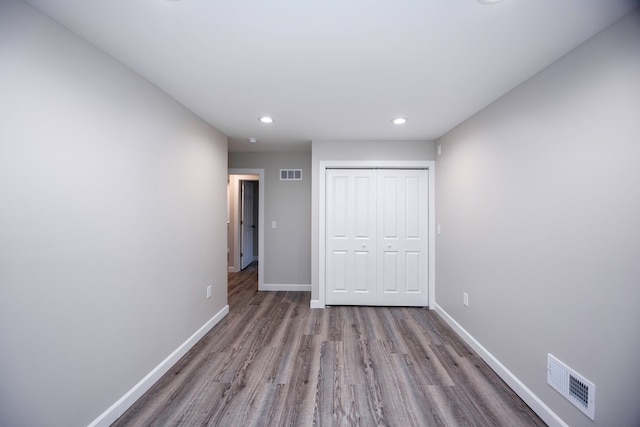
290 174
570 384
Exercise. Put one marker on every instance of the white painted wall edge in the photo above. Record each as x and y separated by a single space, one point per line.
534 402
285 287
125 402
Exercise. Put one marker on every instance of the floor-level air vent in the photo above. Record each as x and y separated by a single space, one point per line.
573 386
290 174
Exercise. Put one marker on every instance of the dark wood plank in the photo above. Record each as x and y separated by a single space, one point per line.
273 361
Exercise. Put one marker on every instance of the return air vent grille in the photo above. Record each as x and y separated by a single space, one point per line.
573 386
579 391
290 174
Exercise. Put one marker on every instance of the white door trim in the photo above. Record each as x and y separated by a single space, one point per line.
261 185
355 164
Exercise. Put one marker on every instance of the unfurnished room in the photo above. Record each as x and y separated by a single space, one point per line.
319 213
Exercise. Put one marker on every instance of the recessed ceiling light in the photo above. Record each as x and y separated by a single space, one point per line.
253 140
489 1
399 121
266 119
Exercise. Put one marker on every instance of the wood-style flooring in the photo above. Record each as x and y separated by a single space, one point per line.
273 361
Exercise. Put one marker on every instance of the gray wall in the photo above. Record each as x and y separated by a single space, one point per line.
287 247
112 202
539 200
355 150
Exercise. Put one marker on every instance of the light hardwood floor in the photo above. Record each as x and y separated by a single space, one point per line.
273 361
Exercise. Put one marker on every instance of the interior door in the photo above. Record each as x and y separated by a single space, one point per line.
377 237
351 237
247 224
402 263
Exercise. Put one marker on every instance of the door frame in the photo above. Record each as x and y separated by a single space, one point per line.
429 165
261 186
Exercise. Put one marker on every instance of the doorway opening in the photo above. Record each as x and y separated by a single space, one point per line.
245 221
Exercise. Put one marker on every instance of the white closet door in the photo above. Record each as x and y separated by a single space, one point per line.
377 237
351 237
402 262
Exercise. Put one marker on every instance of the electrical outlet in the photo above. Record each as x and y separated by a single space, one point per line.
208 291
465 299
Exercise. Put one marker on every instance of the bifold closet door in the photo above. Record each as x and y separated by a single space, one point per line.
351 237
376 237
402 262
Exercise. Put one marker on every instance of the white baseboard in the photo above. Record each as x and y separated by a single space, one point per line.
126 401
316 304
285 287
534 402
232 269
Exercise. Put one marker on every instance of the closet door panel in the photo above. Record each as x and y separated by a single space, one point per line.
402 199
351 237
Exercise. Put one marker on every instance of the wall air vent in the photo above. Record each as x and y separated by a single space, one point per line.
290 174
573 386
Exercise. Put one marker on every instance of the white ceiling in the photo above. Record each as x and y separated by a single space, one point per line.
334 69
